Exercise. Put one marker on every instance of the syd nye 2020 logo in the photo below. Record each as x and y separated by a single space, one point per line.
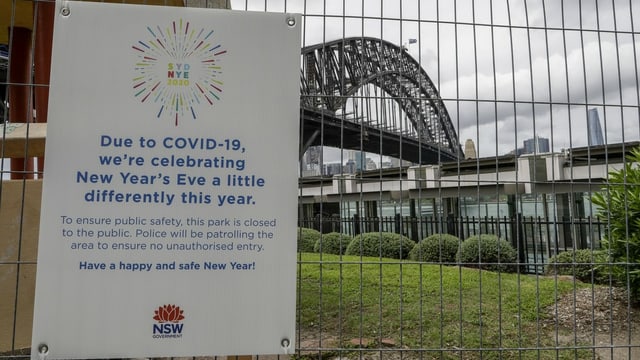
178 69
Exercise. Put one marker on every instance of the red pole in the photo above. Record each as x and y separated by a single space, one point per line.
20 106
44 13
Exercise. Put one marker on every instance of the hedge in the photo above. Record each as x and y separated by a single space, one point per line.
307 239
487 252
439 248
380 244
584 264
332 243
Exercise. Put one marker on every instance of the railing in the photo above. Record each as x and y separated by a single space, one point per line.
535 238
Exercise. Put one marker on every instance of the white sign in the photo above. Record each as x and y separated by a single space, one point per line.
169 215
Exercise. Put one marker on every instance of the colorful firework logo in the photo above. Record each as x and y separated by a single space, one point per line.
178 69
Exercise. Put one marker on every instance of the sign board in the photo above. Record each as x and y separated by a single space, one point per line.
169 200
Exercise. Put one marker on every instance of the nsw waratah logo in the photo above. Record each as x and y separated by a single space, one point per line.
178 70
168 322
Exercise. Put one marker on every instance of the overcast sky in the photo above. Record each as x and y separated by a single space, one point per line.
504 77
507 70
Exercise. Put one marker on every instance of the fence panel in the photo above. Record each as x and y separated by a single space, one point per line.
420 117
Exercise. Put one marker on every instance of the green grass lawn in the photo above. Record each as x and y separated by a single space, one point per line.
422 306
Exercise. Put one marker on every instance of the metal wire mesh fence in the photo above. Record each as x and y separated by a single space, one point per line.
477 120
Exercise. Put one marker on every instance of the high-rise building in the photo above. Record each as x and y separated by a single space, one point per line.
536 145
332 169
361 160
350 167
371 165
470 149
312 156
594 136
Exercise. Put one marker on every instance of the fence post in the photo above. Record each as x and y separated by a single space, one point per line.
397 223
567 239
356 224
415 233
413 218
518 241
451 225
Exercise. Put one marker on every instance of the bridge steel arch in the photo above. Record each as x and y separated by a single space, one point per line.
334 71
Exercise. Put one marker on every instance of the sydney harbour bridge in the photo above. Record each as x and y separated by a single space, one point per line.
364 94
369 94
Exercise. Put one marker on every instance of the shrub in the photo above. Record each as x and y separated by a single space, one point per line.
585 265
436 248
489 252
380 244
307 239
332 243
619 203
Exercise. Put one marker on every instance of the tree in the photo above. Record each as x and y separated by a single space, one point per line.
619 203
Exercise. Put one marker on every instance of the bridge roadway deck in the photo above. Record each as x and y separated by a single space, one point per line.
324 128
